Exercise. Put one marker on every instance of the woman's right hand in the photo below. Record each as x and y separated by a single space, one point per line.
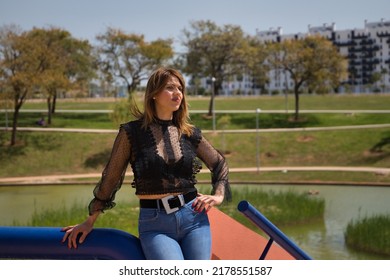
72 233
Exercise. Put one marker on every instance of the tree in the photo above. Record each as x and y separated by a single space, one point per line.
313 62
213 52
65 62
50 56
19 69
129 57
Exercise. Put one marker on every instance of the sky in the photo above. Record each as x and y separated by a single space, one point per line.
167 18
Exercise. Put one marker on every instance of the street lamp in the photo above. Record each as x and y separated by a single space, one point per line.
212 97
257 140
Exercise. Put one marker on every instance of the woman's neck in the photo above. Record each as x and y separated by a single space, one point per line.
164 117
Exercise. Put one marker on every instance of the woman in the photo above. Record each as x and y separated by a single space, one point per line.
163 149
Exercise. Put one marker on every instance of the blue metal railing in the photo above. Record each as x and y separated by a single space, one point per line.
272 231
45 243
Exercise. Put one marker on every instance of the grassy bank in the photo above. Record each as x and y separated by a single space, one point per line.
43 153
370 234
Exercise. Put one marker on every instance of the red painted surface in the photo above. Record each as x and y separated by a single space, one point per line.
233 241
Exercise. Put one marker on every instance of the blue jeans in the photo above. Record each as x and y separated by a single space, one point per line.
182 235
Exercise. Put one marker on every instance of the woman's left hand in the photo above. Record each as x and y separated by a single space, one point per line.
206 202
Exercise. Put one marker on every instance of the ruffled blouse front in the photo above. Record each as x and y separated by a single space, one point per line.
162 160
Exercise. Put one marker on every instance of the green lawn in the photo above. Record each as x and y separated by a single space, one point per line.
42 153
264 102
237 121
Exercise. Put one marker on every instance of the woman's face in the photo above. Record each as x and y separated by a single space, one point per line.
169 99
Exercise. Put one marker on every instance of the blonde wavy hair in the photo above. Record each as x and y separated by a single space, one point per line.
156 83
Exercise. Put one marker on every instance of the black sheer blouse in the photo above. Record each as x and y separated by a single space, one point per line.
162 162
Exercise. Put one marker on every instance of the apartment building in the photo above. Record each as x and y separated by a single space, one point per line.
367 50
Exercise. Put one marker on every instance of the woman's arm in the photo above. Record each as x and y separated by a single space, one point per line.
105 190
112 176
217 164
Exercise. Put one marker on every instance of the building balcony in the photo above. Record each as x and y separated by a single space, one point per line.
359 36
371 49
371 61
383 34
368 68
353 49
345 44
367 42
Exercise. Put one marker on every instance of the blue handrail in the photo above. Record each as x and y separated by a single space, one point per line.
45 243
272 231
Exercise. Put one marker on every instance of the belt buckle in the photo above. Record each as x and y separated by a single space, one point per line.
168 208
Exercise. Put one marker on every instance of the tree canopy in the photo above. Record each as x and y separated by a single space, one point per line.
40 60
213 52
129 57
19 69
313 61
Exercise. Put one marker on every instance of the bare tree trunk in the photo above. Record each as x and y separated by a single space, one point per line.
53 106
214 91
18 102
296 116
14 126
49 110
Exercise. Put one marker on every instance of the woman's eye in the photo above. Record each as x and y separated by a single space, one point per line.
173 88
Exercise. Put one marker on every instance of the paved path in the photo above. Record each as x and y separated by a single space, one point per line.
91 130
284 169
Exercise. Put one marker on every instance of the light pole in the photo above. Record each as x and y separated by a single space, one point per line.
213 100
257 140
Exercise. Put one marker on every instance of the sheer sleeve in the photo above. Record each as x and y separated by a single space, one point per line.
217 164
112 176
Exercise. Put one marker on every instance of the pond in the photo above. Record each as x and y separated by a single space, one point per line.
322 240
342 204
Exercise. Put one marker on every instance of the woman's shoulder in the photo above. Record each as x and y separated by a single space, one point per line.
196 131
196 135
132 123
